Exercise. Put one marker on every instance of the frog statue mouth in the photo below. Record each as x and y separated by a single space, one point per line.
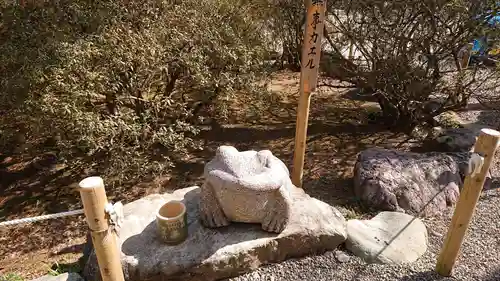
246 186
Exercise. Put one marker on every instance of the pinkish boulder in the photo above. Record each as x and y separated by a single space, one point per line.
391 180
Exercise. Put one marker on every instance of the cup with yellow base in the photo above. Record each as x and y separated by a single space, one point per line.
171 222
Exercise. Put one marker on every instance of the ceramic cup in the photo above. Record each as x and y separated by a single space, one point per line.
171 222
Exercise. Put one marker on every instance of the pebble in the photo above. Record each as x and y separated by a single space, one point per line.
435 233
341 257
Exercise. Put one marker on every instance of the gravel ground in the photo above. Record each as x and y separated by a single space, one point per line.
479 258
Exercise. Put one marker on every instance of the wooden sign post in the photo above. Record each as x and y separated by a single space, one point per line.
486 145
310 60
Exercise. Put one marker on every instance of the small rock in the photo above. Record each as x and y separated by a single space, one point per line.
389 237
342 257
435 233
456 139
61 277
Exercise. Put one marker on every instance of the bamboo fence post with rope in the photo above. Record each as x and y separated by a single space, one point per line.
486 145
94 202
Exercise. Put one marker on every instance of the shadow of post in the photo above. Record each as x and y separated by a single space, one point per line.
493 276
425 276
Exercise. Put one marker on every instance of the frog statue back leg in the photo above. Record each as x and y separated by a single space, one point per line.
236 180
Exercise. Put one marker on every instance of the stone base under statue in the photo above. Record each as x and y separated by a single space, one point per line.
212 254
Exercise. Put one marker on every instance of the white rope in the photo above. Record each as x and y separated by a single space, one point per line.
115 216
114 211
41 218
476 163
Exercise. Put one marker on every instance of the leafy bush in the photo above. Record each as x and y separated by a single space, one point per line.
286 23
127 81
407 53
11 277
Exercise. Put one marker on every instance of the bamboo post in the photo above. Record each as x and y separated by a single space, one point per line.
351 50
486 145
310 61
94 201
466 53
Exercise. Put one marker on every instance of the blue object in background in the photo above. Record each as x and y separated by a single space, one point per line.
479 46
494 20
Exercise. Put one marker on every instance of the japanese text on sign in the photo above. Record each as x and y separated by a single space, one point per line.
317 2
312 43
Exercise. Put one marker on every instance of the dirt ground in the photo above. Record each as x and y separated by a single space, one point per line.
339 129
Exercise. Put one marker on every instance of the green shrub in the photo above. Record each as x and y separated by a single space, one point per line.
286 22
11 277
127 81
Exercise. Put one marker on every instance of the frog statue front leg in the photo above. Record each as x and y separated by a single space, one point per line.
278 211
211 213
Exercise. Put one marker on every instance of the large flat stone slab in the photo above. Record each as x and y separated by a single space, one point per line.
212 254
389 237
61 277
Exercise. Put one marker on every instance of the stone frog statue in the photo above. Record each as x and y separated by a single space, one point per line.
248 187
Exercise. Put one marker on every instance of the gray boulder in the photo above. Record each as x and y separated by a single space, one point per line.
389 237
212 254
455 139
427 183
459 136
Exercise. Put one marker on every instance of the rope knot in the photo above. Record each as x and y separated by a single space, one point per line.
476 162
115 216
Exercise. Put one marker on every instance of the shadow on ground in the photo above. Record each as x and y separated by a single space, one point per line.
356 94
489 117
493 276
427 276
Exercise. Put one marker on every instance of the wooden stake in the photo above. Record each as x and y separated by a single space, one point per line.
486 145
351 50
300 138
466 53
310 61
94 201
